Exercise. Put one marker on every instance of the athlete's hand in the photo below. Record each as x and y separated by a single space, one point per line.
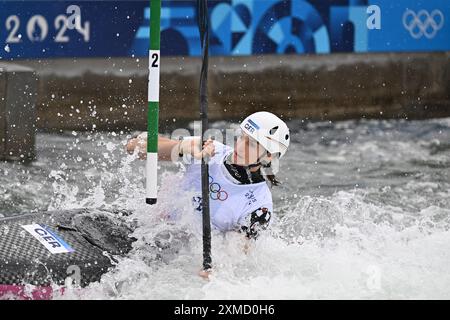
137 144
208 150
205 273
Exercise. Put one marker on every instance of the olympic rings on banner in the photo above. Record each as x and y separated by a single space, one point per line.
423 23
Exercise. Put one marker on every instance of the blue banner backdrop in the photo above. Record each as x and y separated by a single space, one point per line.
41 29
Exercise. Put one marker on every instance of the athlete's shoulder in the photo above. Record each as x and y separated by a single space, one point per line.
221 149
220 145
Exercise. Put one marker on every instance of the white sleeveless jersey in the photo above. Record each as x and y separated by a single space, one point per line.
229 203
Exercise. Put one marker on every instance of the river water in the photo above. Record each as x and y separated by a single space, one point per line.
363 213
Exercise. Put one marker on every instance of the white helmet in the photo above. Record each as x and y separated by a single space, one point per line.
269 130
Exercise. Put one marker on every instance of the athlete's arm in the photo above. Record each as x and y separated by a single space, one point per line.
138 143
169 149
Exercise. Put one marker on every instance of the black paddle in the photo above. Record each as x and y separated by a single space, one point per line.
202 15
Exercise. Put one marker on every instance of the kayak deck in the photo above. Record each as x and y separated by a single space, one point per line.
46 248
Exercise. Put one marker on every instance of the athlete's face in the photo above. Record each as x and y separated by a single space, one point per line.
247 151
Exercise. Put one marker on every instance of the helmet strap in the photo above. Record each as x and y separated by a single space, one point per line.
254 165
259 163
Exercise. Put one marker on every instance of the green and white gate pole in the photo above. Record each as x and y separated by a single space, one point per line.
153 102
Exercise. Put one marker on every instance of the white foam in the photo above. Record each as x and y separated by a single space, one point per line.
342 249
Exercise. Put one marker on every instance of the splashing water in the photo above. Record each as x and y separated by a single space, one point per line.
363 213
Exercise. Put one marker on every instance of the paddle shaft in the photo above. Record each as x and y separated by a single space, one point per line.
204 38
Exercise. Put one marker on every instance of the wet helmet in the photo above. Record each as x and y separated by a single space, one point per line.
269 130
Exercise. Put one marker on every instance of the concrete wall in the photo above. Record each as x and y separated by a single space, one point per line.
111 94
17 112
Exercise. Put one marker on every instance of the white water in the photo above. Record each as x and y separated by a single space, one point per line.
361 260
364 213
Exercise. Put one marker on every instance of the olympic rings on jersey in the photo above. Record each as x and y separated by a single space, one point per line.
214 187
423 23
216 192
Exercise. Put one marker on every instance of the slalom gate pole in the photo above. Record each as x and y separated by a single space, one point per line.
202 15
153 102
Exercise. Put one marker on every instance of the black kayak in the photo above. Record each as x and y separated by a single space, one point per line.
45 248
